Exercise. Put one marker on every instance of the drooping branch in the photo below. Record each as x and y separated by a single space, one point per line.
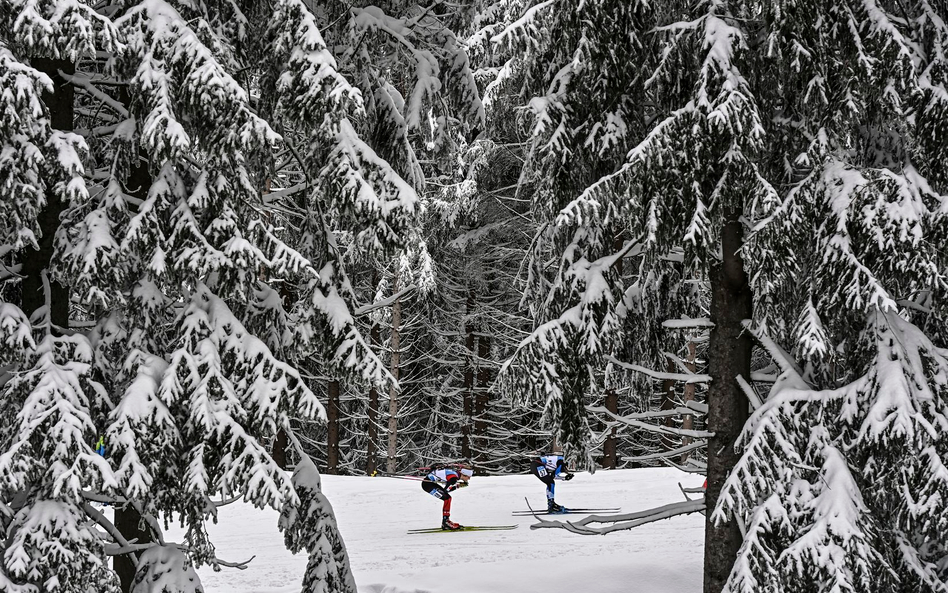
634 419
688 323
788 366
664 455
749 392
684 378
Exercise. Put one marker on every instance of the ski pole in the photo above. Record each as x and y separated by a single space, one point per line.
378 474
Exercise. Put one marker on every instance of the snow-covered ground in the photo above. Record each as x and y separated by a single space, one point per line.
374 515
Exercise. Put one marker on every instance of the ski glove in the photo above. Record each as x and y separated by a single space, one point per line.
568 477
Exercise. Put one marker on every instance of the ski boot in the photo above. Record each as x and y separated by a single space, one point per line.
553 508
448 525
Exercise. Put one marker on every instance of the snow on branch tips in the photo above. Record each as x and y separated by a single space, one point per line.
166 569
809 455
235 392
310 525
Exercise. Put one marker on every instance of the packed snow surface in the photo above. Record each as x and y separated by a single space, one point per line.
375 514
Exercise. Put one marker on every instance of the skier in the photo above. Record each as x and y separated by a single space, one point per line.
439 483
549 468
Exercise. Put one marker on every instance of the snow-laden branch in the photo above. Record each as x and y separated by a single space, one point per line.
693 466
749 392
670 453
679 363
687 323
790 370
690 378
366 309
85 82
628 420
689 407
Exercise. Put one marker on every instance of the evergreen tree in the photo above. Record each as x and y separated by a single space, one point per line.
783 154
174 262
310 525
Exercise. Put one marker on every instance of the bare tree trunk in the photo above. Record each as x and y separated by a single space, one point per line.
467 396
729 355
609 458
609 455
371 453
33 296
688 422
668 403
392 461
482 397
332 421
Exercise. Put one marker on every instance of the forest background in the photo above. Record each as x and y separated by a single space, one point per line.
241 236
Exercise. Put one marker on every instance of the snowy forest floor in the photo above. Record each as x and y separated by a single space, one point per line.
375 513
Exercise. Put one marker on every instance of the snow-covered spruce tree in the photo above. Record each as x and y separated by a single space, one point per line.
160 267
568 62
355 187
311 526
789 150
843 476
847 485
49 399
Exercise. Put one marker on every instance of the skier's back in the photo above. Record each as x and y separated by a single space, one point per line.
439 482
549 468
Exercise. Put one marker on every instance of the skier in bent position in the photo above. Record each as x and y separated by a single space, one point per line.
549 468
439 483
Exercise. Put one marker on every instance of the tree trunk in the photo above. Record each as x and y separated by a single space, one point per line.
332 421
33 296
609 458
129 523
467 396
371 453
392 461
278 451
688 422
668 403
729 355
127 519
482 397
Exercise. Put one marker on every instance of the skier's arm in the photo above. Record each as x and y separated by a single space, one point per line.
452 483
562 473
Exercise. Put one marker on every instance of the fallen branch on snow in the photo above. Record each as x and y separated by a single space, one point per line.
624 521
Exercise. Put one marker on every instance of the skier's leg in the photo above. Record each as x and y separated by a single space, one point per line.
446 522
542 473
433 488
551 505
536 468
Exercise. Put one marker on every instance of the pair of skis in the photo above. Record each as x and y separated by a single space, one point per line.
465 528
528 513
566 511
